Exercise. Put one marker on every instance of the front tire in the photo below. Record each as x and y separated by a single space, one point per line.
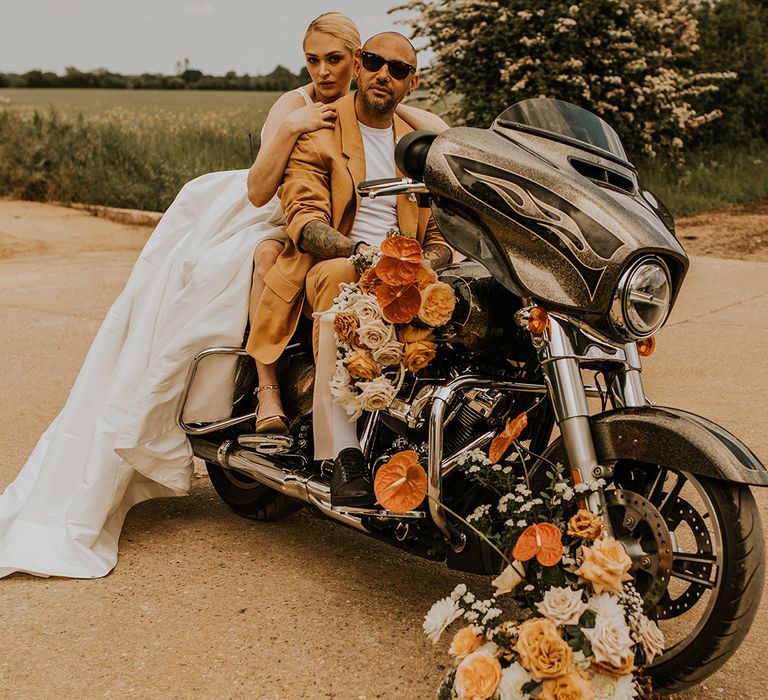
249 498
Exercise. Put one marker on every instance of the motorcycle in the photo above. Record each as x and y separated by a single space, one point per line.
571 267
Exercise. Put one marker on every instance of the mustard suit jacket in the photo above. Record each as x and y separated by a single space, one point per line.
320 182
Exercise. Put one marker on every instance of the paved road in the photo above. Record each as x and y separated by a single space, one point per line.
204 604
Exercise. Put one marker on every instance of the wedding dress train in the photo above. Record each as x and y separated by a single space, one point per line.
116 442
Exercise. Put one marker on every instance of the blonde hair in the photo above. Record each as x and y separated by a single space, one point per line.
336 25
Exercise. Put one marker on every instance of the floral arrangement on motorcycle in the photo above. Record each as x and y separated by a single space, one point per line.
583 635
384 323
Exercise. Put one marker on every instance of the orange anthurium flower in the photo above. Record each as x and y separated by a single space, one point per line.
399 304
402 248
401 483
543 541
504 439
396 272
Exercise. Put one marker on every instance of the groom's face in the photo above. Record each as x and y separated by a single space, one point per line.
380 90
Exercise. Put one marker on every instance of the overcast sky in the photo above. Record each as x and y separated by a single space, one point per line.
247 36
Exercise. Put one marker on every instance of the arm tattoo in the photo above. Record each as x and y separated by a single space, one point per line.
325 242
439 255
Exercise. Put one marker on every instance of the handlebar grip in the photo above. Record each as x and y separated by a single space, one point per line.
411 153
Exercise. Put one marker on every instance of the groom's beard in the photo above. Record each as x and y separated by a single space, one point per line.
380 105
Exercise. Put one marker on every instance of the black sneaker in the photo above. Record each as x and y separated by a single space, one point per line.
350 485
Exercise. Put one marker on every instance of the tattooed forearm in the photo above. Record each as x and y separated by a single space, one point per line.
439 255
324 241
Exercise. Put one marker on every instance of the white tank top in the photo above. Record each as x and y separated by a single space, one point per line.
304 94
375 217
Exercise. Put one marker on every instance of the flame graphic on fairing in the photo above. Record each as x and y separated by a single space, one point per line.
585 244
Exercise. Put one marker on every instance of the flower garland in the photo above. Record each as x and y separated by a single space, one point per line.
586 631
384 323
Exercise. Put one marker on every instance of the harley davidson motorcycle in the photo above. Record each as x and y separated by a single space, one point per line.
571 269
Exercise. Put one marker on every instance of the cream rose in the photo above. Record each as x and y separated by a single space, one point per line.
366 307
377 394
647 632
477 676
607 688
345 324
575 685
508 580
610 640
465 641
605 565
563 606
389 354
437 304
360 363
373 334
513 678
586 525
543 653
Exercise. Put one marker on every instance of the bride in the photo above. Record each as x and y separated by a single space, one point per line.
116 443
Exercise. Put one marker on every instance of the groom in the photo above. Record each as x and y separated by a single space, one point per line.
327 221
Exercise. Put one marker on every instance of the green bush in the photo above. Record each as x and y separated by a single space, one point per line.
121 160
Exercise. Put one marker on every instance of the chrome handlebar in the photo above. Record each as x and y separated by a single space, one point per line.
390 186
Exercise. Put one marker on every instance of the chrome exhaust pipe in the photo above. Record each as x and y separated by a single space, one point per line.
295 483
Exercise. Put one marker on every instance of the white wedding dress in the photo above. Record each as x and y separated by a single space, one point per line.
116 442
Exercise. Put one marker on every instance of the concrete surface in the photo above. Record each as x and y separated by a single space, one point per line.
204 604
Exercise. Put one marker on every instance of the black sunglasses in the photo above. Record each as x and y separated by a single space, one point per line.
399 70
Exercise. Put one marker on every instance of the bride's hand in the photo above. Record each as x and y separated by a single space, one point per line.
312 117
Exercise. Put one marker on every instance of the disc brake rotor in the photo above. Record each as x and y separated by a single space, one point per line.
643 531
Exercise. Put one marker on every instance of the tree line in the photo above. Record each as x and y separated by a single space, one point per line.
280 79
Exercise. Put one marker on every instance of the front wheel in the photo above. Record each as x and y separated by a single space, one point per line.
248 497
698 561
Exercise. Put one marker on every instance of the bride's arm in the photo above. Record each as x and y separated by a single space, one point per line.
421 119
286 121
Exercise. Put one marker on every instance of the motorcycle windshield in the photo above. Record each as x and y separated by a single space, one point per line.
565 122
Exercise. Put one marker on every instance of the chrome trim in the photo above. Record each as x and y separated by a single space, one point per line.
294 483
205 428
391 187
621 294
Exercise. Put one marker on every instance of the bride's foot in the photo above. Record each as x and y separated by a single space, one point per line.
270 418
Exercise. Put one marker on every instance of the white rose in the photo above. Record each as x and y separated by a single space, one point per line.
513 678
610 641
647 632
563 606
377 394
389 354
607 688
375 333
366 308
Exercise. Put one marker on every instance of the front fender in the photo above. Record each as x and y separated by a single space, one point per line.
674 438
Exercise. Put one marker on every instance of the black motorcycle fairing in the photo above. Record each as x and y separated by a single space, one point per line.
565 237
674 438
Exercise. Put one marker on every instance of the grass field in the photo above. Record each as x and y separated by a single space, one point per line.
135 148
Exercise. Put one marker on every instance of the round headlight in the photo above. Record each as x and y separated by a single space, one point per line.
642 298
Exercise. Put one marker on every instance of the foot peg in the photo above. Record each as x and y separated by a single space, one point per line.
266 444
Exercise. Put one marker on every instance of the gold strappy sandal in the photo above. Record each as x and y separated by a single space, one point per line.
271 425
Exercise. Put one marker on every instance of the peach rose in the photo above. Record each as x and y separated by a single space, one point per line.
605 565
607 669
465 641
575 685
477 676
437 304
346 324
425 276
419 350
412 334
360 364
586 525
543 652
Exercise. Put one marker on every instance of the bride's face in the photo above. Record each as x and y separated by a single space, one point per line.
330 64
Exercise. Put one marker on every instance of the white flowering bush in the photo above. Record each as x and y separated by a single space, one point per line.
626 60
584 634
